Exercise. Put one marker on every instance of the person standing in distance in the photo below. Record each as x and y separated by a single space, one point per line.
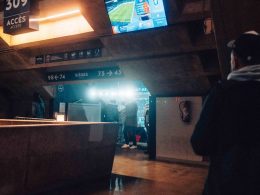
130 125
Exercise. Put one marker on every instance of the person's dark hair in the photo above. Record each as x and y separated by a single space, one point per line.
243 60
247 48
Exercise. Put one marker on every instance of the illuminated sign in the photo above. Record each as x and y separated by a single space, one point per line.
72 55
134 15
16 17
101 73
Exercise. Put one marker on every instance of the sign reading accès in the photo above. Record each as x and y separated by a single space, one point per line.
16 16
101 73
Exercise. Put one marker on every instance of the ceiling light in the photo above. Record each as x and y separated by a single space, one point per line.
56 16
75 24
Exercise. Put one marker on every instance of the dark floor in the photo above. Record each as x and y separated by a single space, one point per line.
134 174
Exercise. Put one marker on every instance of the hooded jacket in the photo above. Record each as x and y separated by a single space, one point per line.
228 131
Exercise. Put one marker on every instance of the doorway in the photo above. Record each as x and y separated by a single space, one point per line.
107 101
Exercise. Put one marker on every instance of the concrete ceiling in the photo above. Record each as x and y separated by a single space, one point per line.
176 60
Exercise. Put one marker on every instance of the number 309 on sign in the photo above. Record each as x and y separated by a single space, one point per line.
13 4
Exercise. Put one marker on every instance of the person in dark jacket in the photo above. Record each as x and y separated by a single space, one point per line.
228 130
130 125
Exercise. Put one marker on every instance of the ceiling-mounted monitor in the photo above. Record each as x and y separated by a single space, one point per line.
134 15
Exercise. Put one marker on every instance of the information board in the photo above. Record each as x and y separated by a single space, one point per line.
101 73
71 55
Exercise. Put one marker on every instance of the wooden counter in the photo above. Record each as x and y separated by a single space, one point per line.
38 156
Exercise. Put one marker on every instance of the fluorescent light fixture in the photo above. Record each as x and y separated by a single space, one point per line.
126 93
56 16
121 93
92 93
130 93
66 24
112 93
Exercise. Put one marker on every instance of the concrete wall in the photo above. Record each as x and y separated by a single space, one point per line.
232 18
172 134
38 157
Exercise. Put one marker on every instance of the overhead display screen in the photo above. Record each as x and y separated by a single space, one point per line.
134 15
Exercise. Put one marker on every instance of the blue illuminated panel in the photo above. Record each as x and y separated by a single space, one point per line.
134 15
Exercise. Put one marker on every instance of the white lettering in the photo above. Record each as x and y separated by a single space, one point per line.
16 21
22 19
8 5
16 3
24 2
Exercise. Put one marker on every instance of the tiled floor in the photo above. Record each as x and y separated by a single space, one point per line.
134 174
